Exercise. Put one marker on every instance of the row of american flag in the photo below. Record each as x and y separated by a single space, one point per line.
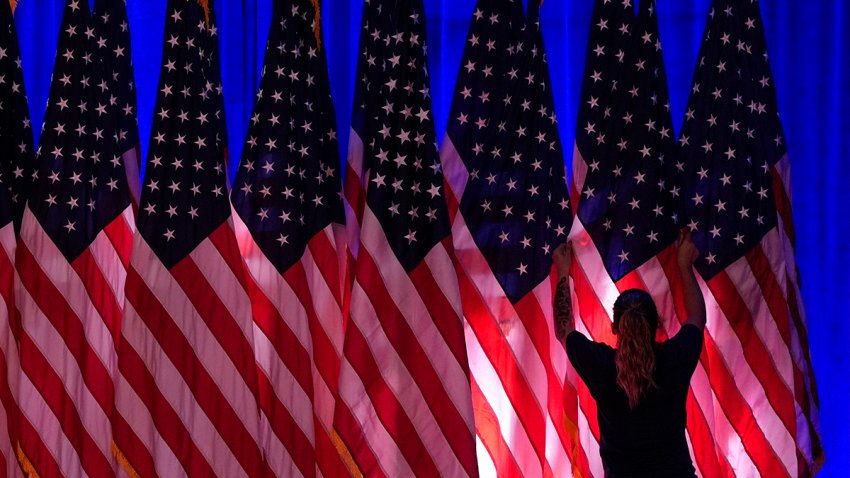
399 322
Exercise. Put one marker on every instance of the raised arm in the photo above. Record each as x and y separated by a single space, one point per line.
563 306
694 303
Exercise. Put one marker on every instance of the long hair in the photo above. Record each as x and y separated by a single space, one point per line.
635 321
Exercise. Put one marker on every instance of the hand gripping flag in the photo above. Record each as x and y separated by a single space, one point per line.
736 202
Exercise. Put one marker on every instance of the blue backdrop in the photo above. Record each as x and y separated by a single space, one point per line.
808 42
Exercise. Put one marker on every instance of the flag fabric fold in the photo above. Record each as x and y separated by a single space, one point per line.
626 195
9 366
736 202
405 407
16 143
113 43
186 394
16 161
71 262
508 199
288 219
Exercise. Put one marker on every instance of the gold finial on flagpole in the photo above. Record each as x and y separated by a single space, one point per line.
205 4
317 22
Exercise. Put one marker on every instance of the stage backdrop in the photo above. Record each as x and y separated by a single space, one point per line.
809 44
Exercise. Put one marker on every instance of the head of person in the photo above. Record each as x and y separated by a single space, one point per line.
635 322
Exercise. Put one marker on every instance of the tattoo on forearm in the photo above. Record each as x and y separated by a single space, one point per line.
563 311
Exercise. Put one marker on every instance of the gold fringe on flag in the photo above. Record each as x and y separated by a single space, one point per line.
345 455
26 465
122 461
13 4
317 22
205 4
572 432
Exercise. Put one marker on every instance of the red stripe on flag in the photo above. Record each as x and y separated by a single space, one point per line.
325 358
779 311
50 386
287 429
330 461
755 351
740 416
491 435
532 316
121 236
326 258
389 410
131 448
298 362
811 389
47 467
441 311
168 424
286 344
414 357
708 460
324 354
350 434
7 276
217 317
780 174
61 315
354 193
726 391
504 362
178 349
10 407
772 292
101 295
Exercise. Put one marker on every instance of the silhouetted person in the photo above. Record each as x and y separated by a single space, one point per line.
640 387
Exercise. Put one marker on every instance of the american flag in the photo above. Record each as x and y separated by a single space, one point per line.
289 216
9 365
508 197
736 202
110 19
626 194
16 149
185 399
71 257
405 407
15 178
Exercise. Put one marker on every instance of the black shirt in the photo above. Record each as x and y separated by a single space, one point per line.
649 440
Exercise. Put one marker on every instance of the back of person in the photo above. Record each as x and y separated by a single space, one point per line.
640 388
649 439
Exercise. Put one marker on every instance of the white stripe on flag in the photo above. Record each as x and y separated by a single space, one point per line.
204 344
179 397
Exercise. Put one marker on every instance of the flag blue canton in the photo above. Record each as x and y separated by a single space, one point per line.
5 201
503 125
16 148
624 133
79 182
730 138
113 42
288 184
392 116
184 195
